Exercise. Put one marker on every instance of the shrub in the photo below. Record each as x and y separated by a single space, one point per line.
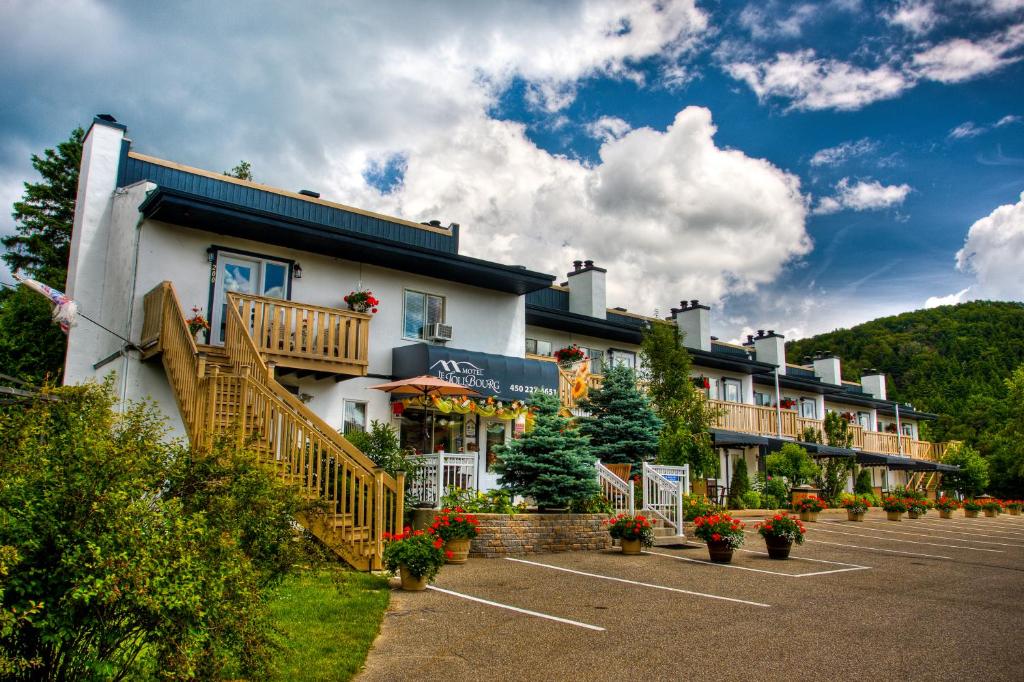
739 486
793 463
494 501
454 524
863 484
626 527
894 504
812 504
772 502
777 488
782 526
695 505
752 500
420 552
595 504
719 528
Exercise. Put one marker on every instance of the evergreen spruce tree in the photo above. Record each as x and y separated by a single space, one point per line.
739 486
863 485
622 427
551 463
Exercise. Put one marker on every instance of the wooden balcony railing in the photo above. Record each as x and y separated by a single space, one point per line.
304 336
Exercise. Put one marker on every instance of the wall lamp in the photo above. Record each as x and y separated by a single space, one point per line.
296 271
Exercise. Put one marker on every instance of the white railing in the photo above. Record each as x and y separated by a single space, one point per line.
663 488
437 472
615 490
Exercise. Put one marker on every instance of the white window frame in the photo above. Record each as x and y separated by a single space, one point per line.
729 381
426 295
807 401
217 295
344 414
617 357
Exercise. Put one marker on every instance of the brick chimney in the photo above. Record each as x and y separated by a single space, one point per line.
694 321
587 289
826 368
873 383
769 347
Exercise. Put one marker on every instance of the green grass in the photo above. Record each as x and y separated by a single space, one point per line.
328 617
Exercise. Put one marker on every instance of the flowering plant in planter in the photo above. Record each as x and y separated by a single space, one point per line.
917 505
197 323
972 505
569 355
992 505
419 552
782 526
857 505
702 382
361 301
626 527
894 504
787 403
454 524
719 528
1014 505
947 504
812 504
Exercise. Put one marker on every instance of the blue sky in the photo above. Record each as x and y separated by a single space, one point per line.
802 166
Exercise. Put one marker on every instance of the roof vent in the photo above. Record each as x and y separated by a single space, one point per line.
309 193
434 223
577 265
106 117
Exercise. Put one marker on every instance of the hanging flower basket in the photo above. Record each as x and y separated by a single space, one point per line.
197 324
569 355
702 383
362 301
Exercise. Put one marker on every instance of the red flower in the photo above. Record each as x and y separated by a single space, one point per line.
448 554
438 542
374 310
716 537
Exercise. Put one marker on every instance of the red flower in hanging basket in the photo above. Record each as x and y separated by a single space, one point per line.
362 301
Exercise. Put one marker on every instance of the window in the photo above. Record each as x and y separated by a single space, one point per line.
538 347
596 356
864 419
421 311
245 274
355 416
908 429
808 408
731 390
762 399
622 357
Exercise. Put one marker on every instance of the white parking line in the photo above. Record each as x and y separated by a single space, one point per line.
853 567
928 525
634 582
974 524
911 542
536 614
880 549
921 535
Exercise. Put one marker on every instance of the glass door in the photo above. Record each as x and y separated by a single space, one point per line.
246 276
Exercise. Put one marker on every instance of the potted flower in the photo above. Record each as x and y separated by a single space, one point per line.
362 301
855 507
722 533
894 507
416 555
787 403
809 507
633 532
702 383
1014 507
197 324
992 507
779 533
456 528
946 506
917 507
971 508
569 355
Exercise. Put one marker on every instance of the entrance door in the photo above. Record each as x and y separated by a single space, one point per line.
246 276
495 434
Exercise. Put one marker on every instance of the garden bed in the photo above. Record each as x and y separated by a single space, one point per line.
500 535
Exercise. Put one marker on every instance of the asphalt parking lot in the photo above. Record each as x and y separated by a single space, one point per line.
919 599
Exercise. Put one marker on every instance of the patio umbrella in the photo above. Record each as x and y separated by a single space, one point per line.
426 386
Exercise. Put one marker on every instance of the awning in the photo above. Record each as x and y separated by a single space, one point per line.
500 376
910 464
828 451
724 438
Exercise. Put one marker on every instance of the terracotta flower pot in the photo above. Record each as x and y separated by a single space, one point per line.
720 552
631 546
970 514
991 513
915 514
410 582
894 516
778 548
1013 512
459 547
854 516
809 516
945 513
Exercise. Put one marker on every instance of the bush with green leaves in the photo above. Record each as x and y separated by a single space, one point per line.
752 500
739 486
142 556
494 501
695 504
793 464
551 463
595 504
973 476
863 484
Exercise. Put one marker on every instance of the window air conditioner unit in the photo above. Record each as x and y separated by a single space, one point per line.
439 332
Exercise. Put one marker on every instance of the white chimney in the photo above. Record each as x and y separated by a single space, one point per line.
873 383
587 290
827 369
694 321
769 347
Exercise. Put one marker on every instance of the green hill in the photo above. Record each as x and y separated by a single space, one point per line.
951 360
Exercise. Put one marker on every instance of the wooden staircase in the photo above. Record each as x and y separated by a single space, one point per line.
231 392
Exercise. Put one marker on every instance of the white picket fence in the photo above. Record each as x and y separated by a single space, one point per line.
437 472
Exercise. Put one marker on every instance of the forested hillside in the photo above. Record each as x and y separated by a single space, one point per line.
951 360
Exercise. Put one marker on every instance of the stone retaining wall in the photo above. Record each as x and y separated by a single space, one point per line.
502 535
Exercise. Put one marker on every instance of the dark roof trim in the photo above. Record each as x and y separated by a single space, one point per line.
202 213
728 361
798 383
725 439
585 325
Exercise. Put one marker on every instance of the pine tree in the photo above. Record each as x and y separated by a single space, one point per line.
739 486
863 485
621 425
551 463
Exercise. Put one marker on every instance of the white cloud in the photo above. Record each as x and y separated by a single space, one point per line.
994 253
917 17
960 59
812 83
1007 120
966 129
863 195
999 7
833 156
951 299
765 21
607 128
